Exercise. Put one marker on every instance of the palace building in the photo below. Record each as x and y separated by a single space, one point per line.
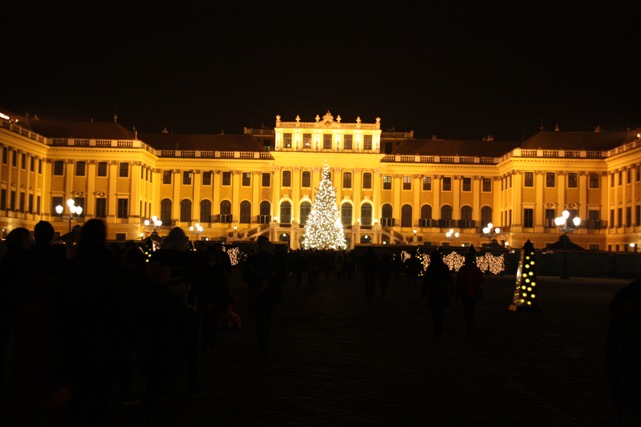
391 187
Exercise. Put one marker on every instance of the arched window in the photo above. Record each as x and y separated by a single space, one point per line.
386 216
225 207
346 214
165 211
264 216
305 209
426 212
205 211
245 212
265 208
466 213
285 212
185 210
446 212
406 216
486 215
366 214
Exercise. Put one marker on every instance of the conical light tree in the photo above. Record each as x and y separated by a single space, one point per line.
324 229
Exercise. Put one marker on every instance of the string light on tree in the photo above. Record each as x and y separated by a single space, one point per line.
525 293
324 229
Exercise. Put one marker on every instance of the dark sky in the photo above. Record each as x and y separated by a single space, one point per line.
457 69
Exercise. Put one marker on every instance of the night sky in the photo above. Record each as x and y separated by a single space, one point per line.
455 69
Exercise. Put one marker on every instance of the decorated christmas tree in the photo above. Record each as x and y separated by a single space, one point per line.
323 229
525 294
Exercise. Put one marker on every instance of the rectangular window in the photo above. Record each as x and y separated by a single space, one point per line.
287 179
123 208
287 140
12 201
620 177
80 168
58 168
427 183
550 214
32 163
30 205
628 216
528 218
407 183
347 180
3 199
5 155
307 140
124 170
186 177
612 179
628 178
486 185
612 218
101 207
207 178
307 179
327 141
550 179
39 165
573 180
226 178
387 182
102 168
593 181
166 177
528 179
467 184
14 158
246 179
266 179
23 161
347 141
619 217
56 201
638 173
447 183
637 215
367 142
38 200
22 201
367 180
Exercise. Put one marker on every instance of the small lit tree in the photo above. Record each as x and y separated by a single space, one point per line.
525 293
323 229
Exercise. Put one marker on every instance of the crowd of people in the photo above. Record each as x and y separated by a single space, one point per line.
86 316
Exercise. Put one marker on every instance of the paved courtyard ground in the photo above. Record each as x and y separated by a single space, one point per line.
339 360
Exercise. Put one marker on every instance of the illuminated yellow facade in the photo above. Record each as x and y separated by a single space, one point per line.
391 187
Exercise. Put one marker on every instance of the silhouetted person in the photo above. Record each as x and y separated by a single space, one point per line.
385 273
469 288
40 386
216 297
368 267
438 289
172 323
88 325
11 287
623 353
413 267
263 274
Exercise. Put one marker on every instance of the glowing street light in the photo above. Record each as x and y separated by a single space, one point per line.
490 231
451 234
73 210
198 229
566 226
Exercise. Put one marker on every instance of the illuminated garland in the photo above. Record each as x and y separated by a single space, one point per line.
324 229
454 261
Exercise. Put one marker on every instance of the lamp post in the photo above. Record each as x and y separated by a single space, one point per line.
153 224
490 231
198 229
566 226
414 235
451 235
73 210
